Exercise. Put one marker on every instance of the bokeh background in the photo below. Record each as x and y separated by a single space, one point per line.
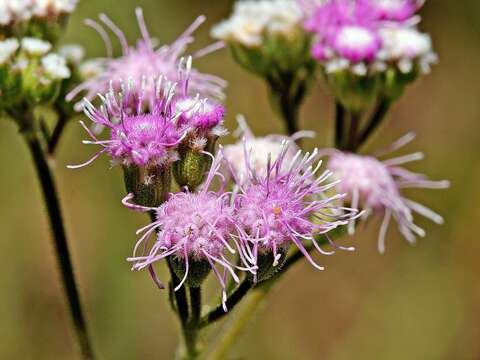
413 303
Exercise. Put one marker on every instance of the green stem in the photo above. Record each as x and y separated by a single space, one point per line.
379 114
190 331
57 133
195 304
353 131
180 297
62 252
287 95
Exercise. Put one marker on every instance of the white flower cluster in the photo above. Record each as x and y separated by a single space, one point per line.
8 47
406 47
55 67
35 47
252 20
43 8
13 11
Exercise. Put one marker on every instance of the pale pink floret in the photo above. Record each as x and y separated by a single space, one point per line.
288 205
148 60
346 29
194 227
376 185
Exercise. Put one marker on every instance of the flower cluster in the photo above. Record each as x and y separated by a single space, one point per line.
287 205
376 40
368 35
14 11
148 133
29 70
146 60
40 18
267 38
271 212
375 186
253 21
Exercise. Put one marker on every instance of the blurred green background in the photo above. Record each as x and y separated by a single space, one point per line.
418 302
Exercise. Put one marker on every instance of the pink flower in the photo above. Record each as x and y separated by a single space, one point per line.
146 60
283 208
193 228
375 186
136 137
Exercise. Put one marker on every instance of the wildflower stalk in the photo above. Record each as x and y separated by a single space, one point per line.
47 182
287 94
378 115
57 132
355 118
339 124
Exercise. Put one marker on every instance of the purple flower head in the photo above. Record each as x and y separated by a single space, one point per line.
148 60
282 208
203 118
136 137
376 185
192 227
344 28
395 10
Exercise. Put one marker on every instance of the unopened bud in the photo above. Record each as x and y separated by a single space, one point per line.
190 170
150 184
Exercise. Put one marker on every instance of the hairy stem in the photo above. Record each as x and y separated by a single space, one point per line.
62 252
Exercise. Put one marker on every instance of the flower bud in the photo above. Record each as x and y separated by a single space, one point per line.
197 272
191 169
150 184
